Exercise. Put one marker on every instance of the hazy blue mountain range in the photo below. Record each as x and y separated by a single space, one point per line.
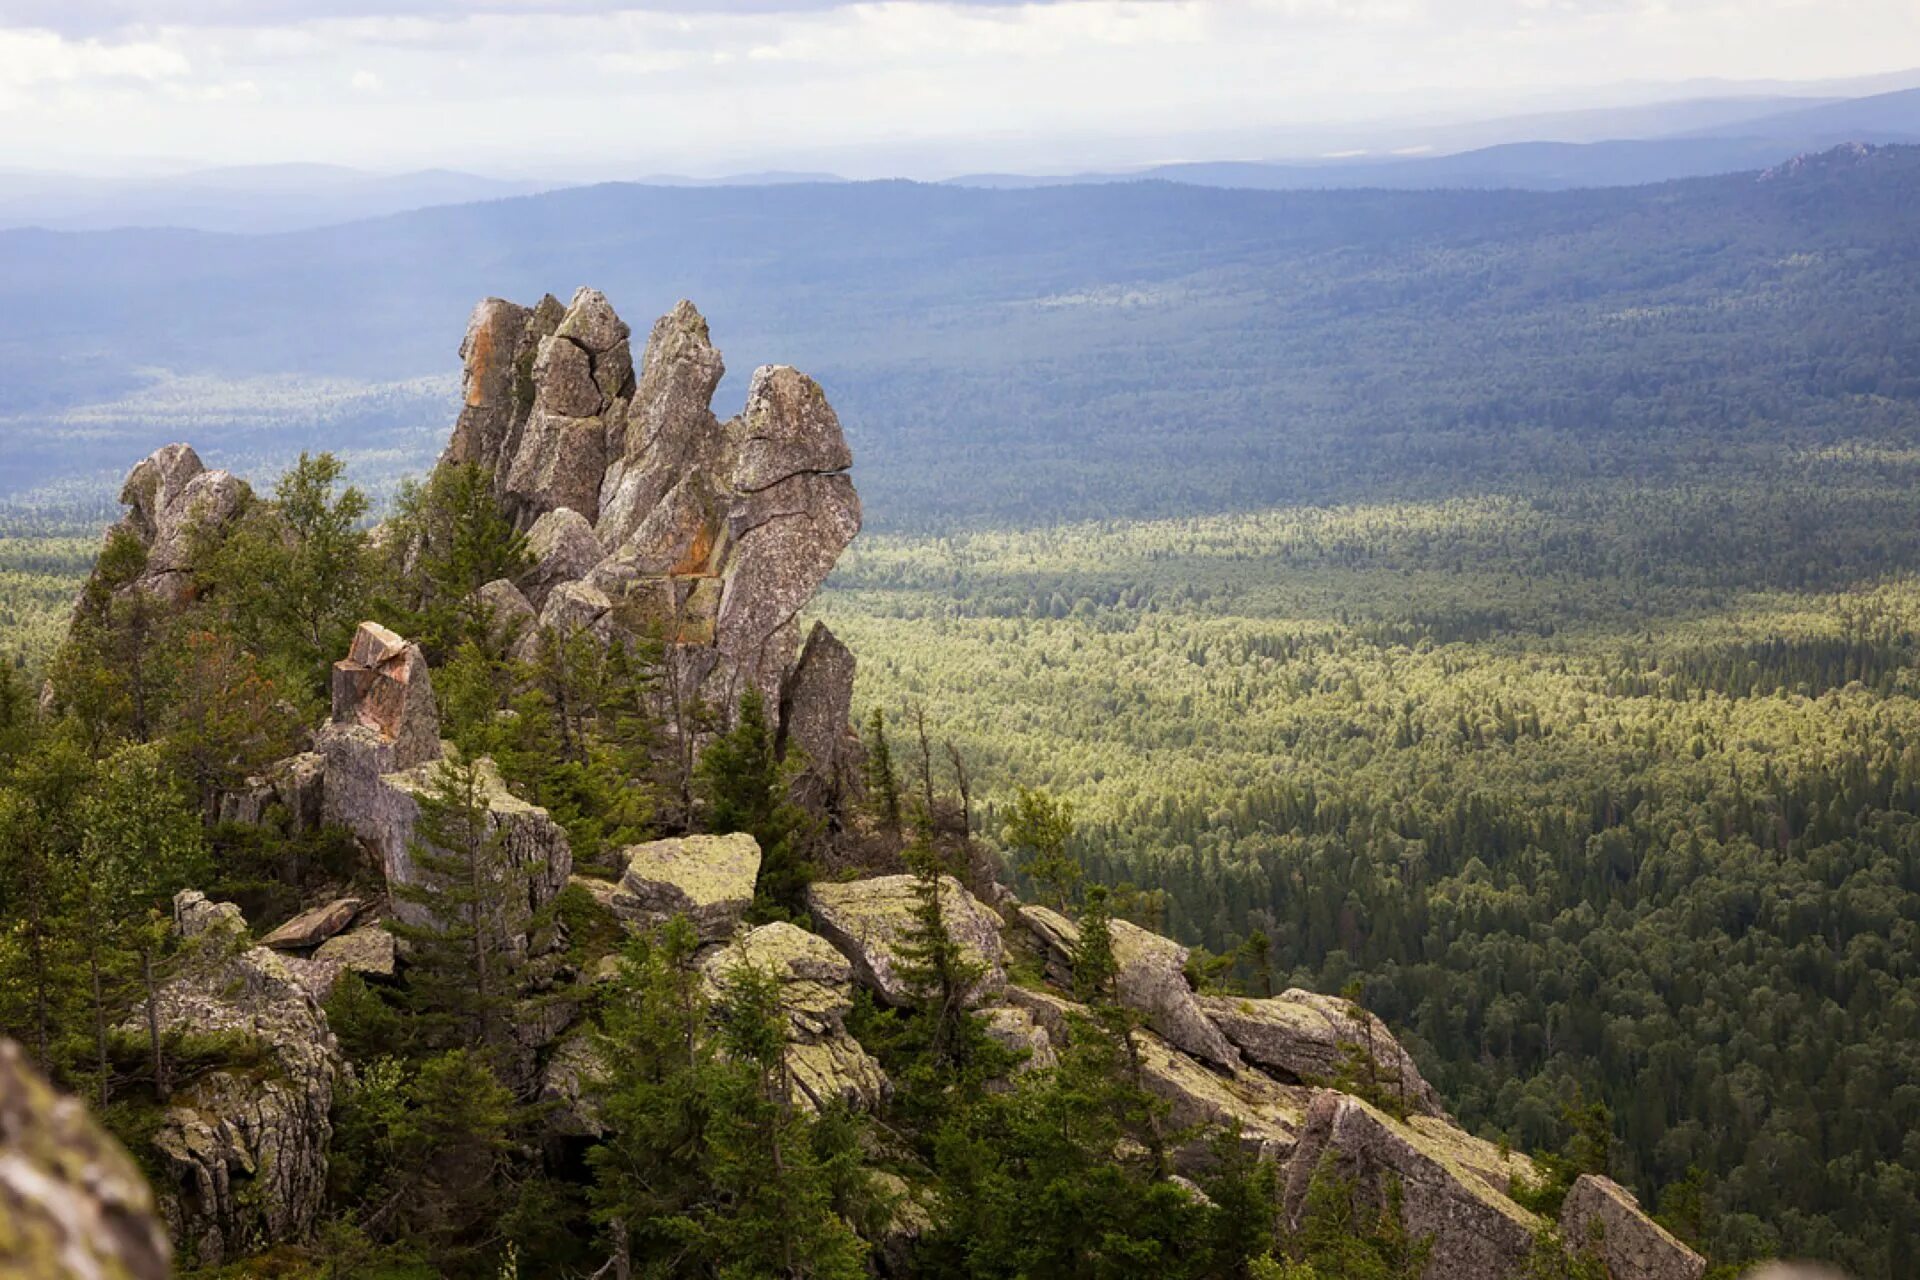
1128 349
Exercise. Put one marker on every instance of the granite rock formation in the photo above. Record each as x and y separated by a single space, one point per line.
869 919
647 514
245 1149
708 879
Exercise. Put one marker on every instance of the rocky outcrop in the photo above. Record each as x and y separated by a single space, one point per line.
71 1203
1017 1031
1452 1188
708 879
1151 979
291 788
1303 1037
244 1148
383 684
648 516
1602 1217
172 500
868 920
824 1062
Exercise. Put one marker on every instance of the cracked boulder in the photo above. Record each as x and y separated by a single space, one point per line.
708 879
382 684
824 1062
71 1203
869 920
1303 1037
173 502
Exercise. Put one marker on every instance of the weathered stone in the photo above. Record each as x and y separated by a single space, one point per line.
245 1150
564 373
172 502
1452 1187
868 920
787 429
1151 978
1601 1217
311 928
591 322
1015 1030
559 464
368 795
575 607
670 431
575 1072
71 1203
564 549
786 540
816 708
383 684
1303 1037
488 393
1268 1114
194 916
1794 1271
824 1062
708 879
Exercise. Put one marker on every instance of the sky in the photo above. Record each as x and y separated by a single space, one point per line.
602 88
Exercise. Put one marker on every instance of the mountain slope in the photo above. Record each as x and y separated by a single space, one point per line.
1142 349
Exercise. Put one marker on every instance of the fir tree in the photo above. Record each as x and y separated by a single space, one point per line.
936 969
883 785
1039 830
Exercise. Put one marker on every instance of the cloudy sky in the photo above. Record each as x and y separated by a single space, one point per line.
602 88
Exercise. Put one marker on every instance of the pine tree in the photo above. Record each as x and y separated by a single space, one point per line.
883 786
145 843
746 789
1039 830
461 981
936 969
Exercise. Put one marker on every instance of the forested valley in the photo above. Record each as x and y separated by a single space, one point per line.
1514 625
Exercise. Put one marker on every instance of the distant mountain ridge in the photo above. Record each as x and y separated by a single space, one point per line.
1143 348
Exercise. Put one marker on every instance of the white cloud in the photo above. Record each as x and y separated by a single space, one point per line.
616 88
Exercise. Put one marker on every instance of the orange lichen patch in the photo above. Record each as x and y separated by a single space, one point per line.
704 554
478 364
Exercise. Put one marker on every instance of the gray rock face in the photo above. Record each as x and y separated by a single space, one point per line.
1016 1030
1303 1037
564 549
382 684
71 1203
1602 1216
292 786
869 919
1453 1187
510 616
1152 979
824 1062
245 1151
709 879
650 517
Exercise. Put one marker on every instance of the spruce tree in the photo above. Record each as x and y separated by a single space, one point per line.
745 788
935 968
1039 830
883 785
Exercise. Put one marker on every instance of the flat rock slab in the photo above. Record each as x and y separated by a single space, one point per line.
708 879
313 927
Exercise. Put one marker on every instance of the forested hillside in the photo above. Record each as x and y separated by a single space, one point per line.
1606 793
1020 356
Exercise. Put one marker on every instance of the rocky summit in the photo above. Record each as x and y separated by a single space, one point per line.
707 942
646 513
